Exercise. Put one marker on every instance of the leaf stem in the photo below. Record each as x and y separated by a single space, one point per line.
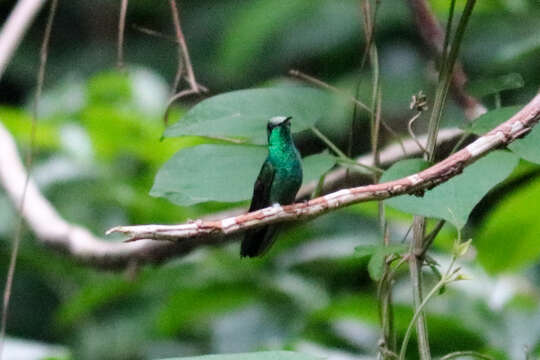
341 157
418 314
418 248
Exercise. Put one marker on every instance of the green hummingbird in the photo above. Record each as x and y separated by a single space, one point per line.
278 182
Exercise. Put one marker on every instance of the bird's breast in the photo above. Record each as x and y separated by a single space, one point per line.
287 181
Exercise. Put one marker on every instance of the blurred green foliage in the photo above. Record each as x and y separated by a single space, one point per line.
99 149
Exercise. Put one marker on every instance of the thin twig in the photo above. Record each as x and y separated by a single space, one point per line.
353 99
155 33
417 245
18 232
320 83
428 240
417 314
329 143
385 294
121 29
184 49
173 99
395 135
413 135
179 37
433 35
341 155
183 61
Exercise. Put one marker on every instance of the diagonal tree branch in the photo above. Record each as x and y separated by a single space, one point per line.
518 125
15 27
55 232
77 242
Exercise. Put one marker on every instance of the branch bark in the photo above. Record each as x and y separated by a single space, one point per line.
15 27
517 126
77 242
55 232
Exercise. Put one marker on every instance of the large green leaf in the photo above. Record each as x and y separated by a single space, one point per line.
377 254
509 238
455 199
492 119
224 173
264 355
244 113
515 50
528 148
495 85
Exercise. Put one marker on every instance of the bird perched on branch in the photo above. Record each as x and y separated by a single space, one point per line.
278 182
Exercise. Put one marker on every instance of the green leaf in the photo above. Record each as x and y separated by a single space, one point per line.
224 173
378 253
514 50
368 250
495 85
19 123
245 113
492 119
527 148
508 238
460 249
455 199
264 355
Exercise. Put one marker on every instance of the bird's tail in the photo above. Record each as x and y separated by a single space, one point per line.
257 241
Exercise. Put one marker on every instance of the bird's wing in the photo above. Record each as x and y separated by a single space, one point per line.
261 189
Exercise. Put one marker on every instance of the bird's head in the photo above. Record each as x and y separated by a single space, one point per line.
279 129
279 121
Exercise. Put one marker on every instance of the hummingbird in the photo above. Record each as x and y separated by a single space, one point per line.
278 182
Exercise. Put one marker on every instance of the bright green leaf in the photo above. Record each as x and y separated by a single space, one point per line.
367 250
509 237
378 253
265 355
224 173
245 113
109 87
485 87
492 119
514 50
528 147
19 122
461 249
455 199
